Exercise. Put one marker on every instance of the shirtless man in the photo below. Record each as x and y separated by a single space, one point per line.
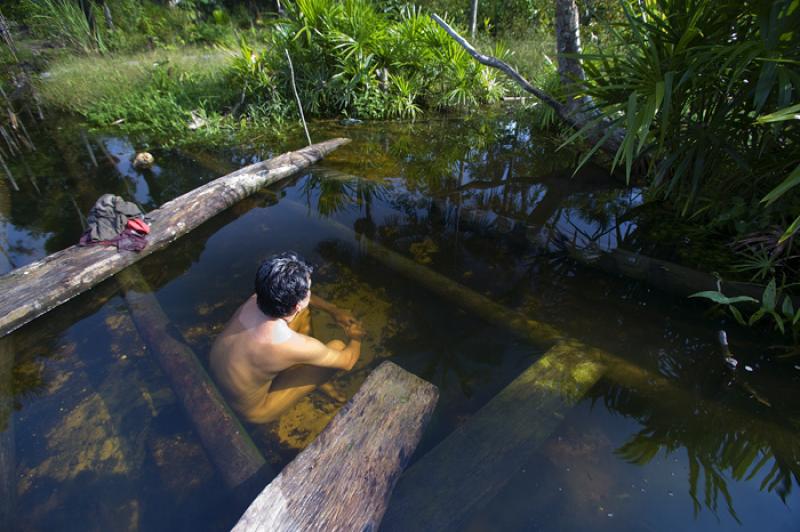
264 361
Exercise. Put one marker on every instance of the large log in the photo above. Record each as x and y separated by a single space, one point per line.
32 290
473 464
344 479
227 443
664 275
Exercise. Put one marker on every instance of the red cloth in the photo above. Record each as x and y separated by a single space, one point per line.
138 225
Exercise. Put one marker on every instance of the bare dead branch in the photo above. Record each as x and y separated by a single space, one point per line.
594 126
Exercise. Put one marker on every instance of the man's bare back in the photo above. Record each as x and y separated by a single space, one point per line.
265 364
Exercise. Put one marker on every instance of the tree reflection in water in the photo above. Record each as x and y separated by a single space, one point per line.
727 444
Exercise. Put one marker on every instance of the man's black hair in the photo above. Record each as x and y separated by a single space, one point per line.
282 281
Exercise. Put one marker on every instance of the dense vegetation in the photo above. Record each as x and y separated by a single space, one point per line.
707 92
351 59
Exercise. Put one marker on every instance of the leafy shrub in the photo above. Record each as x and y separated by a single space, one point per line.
688 79
354 60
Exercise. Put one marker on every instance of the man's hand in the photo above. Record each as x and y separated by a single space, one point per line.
355 330
344 318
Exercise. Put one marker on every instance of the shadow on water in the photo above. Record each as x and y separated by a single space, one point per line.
488 203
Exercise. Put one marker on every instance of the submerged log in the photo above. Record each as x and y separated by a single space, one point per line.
618 369
661 274
344 479
473 464
226 442
32 290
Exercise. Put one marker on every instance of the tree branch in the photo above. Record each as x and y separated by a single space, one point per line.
595 127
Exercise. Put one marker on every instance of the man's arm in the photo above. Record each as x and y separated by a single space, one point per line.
343 317
306 350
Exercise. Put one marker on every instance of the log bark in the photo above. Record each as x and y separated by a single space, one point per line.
596 129
473 464
344 479
568 42
227 443
32 290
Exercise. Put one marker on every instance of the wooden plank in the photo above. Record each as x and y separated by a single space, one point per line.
344 479
474 463
226 442
32 290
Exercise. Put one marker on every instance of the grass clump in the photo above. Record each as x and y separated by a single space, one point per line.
154 94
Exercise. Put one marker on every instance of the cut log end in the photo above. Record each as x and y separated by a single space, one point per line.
343 480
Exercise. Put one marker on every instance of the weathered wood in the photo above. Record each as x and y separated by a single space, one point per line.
568 43
226 442
344 479
32 290
473 464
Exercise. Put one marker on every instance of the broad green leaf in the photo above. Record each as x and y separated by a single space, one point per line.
790 231
788 308
768 298
757 315
737 315
722 299
778 321
791 181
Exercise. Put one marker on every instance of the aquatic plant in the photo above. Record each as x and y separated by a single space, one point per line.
775 303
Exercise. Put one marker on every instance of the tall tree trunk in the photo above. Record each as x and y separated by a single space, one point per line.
107 16
568 43
474 18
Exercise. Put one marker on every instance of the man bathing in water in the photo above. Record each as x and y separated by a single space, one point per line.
264 360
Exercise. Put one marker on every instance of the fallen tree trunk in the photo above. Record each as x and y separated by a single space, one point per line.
343 480
32 290
472 464
661 274
227 443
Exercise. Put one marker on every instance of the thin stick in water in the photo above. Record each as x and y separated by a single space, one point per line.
88 148
8 173
297 96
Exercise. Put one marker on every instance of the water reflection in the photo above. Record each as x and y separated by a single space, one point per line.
488 203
